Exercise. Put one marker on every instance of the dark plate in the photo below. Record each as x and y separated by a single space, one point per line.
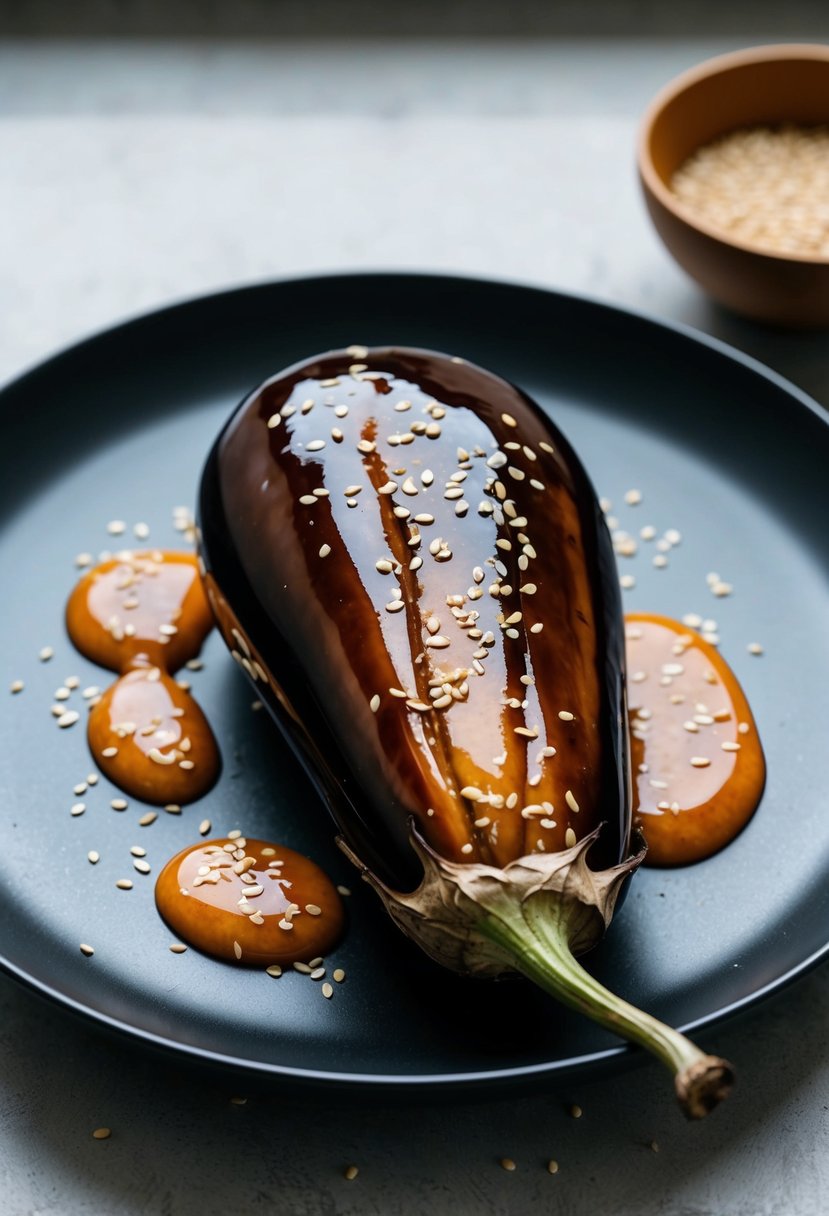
117 427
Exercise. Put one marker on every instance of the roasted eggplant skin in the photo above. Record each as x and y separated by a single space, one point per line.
294 559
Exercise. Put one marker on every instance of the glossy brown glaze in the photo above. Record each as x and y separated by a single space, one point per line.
250 902
408 559
698 765
144 614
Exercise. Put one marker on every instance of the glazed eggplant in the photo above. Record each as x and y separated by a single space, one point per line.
408 559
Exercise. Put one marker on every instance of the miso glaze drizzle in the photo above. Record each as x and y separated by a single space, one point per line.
698 766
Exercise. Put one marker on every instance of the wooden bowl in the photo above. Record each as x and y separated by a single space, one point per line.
764 85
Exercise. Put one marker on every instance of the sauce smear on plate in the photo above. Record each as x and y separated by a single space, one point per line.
144 615
698 765
250 902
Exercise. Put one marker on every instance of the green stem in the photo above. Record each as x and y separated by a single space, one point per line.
538 944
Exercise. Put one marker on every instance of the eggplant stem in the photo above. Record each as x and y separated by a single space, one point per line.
538 945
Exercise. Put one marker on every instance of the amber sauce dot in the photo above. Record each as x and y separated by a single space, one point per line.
144 614
693 734
248 901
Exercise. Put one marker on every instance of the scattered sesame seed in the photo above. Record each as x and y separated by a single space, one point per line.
204 827
16 686
537 628
374 703
101 1133
571 801
143 867
177 948
147 818
552 1167
119 804
633 497
327 991
566 716
627 582
77 808
274 971
124 884
325 550
507 1163
343 890
700 761
350 1173
67 719
313 909
338 975
755 648
116 527
87 950
728 746
576 1112
569 838
83 559
46 654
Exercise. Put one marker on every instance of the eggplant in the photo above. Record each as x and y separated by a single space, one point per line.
409 560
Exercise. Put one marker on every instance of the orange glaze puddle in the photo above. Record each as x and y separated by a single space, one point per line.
144 615
250 902
698 766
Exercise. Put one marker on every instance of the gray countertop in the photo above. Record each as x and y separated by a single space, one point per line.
135 174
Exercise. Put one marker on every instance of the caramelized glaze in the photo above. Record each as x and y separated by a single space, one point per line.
250 902
366 480
144 615
698 765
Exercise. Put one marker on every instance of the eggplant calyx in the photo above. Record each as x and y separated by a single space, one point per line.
534 916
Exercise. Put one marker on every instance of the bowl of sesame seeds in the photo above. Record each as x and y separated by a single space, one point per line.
733 160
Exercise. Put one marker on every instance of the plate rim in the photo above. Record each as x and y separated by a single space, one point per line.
389 1082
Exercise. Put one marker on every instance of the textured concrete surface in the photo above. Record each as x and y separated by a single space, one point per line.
133 175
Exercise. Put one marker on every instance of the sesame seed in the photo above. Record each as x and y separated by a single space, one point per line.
119 804
86 949
325 550
755 648
77 808
313 909
508 420
16 686
274 971
700 761
83 559
147 818
116 527
204 827
565 715
68 719
159 757
507 1163
177 948
537 627
552 1167
338 975
274 421
308 500
633 497
728 746
93 857
237 949
350 1172
575 1112
124 884
109 752
466 848
569 838
328 992
143 867
101 1133
571 801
